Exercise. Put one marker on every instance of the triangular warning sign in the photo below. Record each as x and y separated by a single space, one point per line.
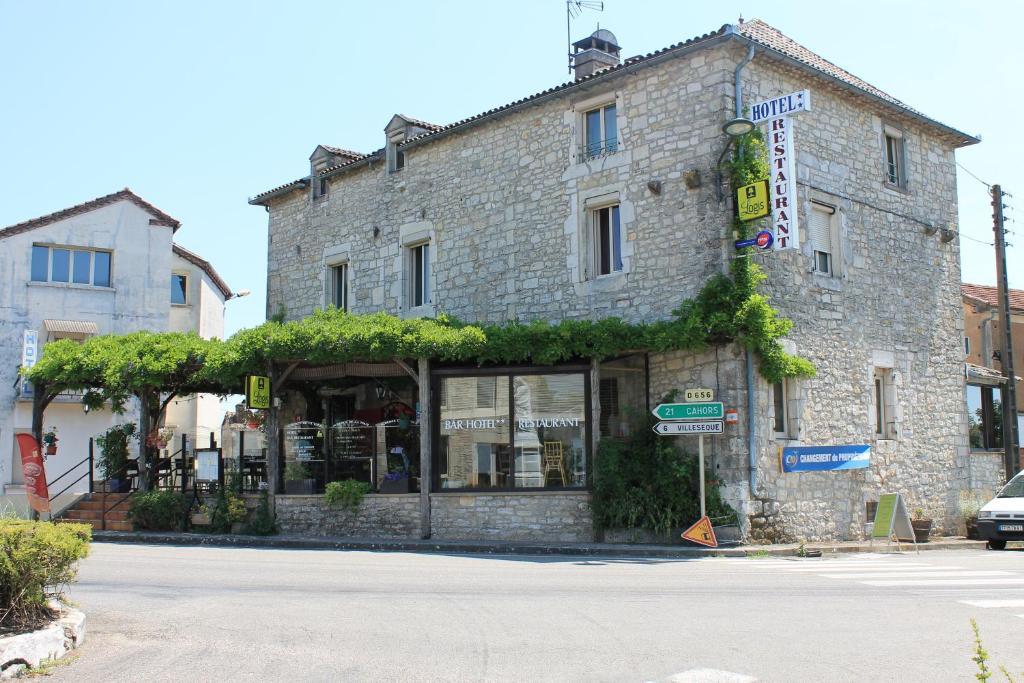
702 533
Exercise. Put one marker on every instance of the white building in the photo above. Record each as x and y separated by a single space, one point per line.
101 267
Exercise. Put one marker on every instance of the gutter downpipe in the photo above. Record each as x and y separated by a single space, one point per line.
751 422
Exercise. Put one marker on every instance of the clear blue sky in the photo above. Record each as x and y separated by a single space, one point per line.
199 106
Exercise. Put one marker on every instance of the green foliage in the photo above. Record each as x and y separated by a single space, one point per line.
230 509
36 560
262 521
347 494
156 510
113 444
643 482
980 655
295 471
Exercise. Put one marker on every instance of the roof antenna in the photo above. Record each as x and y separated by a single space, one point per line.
573 8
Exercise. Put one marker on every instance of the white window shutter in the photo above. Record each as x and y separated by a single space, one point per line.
820 228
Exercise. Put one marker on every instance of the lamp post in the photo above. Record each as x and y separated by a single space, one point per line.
733 128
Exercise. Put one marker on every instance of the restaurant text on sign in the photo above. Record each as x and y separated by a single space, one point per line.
782 169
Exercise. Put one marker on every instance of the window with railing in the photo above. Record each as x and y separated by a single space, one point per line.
600 135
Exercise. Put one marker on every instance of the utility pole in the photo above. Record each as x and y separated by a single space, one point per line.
1011 439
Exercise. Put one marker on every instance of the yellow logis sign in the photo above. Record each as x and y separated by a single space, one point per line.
257 392
752 201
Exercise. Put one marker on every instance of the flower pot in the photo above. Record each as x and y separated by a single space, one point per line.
51 449
119 485
201 519
922 527
299 487
395 486
972 529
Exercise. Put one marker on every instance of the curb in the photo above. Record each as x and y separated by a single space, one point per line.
503 548
27 650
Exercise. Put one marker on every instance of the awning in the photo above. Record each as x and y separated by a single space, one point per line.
71 327
984 375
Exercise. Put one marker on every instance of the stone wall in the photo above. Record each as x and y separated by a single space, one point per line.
504 202
379 516
554 517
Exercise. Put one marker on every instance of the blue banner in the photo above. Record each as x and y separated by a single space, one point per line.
819 458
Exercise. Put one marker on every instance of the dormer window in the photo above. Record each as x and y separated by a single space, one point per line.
395 156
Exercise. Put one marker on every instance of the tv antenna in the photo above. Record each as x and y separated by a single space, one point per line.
574 8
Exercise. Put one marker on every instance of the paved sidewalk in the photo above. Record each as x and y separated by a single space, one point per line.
523 548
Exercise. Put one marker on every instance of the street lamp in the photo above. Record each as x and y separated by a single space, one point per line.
737 127
238 295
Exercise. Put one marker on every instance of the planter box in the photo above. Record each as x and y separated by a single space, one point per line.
921 527
397 486
118 485
299 487
201 519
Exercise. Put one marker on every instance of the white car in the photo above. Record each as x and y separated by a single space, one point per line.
1002 518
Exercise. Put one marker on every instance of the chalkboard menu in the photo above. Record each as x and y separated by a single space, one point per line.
303 441
352 439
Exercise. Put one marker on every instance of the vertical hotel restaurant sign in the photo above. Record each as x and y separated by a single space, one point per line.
35 473
29 356
782 163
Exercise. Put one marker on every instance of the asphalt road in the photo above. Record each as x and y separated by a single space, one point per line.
161 613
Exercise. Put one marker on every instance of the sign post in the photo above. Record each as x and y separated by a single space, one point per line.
700 415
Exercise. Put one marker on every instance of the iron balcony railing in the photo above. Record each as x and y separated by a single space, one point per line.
599 148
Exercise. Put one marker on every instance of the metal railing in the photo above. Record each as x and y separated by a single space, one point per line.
87 459
599 148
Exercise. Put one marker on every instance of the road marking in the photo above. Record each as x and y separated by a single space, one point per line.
918 574
988 604
710 676
945 582
867 567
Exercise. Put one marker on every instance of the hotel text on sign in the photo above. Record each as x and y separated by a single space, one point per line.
781 106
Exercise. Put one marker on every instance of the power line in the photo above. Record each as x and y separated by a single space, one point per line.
965 169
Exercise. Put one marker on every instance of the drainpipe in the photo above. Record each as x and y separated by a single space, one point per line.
751 421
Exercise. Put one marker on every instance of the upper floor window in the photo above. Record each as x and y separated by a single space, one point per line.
600 132
418 269
320 188
339 286
884 400
179 288
895 158
820 234
70 265
395 157
606 231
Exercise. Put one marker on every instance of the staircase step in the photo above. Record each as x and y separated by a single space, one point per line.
113 515
97 525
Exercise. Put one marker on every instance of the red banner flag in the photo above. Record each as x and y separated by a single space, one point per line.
35 473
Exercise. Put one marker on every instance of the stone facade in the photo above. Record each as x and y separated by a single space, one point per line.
378 516
504 205
563 517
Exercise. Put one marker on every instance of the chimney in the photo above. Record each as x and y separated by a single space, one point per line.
597 51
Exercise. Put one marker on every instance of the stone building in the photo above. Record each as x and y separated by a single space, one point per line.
986 378
603 197
108 266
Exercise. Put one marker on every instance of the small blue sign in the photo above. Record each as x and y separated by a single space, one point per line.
819 458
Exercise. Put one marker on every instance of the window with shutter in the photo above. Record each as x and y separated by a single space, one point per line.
820 233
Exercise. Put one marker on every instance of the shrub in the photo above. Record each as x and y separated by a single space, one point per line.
262 522
156 510
347 494
36 560
113 443
230 509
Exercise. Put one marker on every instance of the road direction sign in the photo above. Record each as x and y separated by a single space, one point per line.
704 410
701 427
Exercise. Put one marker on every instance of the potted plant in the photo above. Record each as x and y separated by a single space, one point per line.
113 459
297 480
922 526
159 438
970 504
50 441
201 517
395 482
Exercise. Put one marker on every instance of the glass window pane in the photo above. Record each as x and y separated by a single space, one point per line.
604 264
40 263
879 407
417 276
622 394
975 417
101 269
610 131
779 396
593 136
178 288
550 420
61 265
475 448
80 274
426 273
616 240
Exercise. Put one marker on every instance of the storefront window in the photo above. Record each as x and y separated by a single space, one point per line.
622 394
475 447
513 431
985 417
303 458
